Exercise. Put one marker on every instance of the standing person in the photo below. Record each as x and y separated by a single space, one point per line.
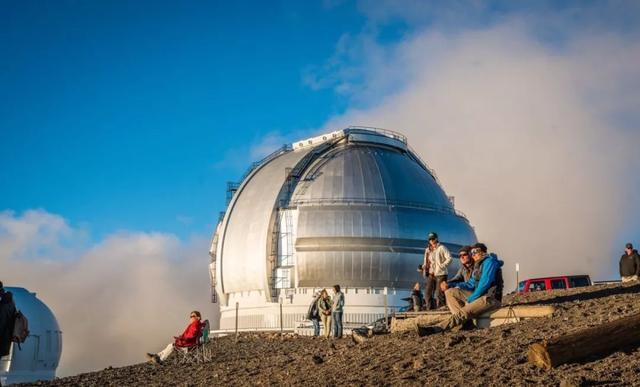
629 264
336 311
7 318
429 280
314 315
439 260
480 294
324 307
464 273
187 339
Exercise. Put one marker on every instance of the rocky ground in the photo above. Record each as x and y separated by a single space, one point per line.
495 356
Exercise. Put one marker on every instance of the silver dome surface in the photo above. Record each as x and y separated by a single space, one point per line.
363 203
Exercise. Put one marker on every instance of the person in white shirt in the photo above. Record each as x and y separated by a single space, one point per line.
436 260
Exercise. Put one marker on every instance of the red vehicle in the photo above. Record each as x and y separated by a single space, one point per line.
553 283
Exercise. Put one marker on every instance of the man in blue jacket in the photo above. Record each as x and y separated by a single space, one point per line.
480 294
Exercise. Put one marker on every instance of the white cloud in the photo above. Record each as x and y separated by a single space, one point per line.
535 141
116 299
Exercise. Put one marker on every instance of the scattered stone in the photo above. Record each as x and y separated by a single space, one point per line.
453 340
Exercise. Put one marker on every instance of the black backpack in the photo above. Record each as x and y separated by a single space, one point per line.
20 329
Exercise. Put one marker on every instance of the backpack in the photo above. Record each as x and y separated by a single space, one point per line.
206 328
20 329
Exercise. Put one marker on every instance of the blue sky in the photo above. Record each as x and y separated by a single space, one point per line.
133 115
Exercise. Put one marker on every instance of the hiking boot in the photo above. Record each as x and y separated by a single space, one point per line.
154 358
466 326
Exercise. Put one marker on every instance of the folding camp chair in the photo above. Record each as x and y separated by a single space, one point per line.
198 353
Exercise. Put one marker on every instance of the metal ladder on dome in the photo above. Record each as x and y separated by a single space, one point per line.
213 268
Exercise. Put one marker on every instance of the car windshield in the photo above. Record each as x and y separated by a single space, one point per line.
521 286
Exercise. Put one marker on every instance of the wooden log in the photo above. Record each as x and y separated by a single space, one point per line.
412 324
521 311
595 342
409 321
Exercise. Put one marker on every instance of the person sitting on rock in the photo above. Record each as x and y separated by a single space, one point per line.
187 339
481 293
464 273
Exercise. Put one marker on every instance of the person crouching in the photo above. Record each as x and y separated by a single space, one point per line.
187 339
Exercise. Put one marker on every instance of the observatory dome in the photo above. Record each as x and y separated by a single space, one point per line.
39 355
351 207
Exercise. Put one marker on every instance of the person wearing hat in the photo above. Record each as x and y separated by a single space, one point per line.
629 264
437 259
464 273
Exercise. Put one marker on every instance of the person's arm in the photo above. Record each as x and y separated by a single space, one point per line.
341 300
192 330
467 285
637 264
487 277
620 265
184 333
445 257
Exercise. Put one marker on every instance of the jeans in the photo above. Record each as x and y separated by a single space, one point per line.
316 327
433 285
337 324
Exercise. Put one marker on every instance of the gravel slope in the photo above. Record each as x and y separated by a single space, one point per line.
495 356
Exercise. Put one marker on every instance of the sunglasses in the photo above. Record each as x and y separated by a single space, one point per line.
463 254
193 316
475 251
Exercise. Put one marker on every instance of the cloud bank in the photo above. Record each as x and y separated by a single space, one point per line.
537 140
114 299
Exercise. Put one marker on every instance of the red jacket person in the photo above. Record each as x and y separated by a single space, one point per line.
187 339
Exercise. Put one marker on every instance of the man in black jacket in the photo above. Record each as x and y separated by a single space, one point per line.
7 317
313 314
629 264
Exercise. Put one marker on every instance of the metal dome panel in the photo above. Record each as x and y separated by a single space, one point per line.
243 247
370 174
370 245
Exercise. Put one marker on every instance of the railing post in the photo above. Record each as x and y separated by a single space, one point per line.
386 318
237 305
281 322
